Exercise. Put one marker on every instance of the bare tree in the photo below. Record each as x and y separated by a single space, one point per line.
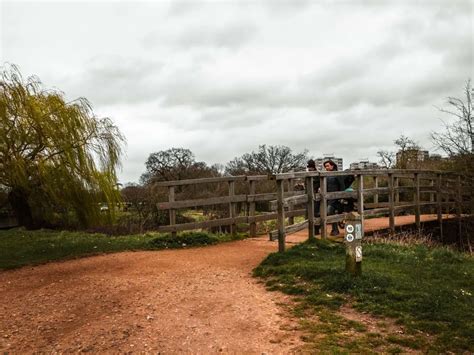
407 154
268 160
387 158
175 164
458 137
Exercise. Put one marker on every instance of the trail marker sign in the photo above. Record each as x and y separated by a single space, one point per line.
353 234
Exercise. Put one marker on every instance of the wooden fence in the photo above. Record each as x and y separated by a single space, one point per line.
388 193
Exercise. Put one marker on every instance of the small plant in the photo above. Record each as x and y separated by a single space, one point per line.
184 240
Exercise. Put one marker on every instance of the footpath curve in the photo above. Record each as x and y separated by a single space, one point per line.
200 300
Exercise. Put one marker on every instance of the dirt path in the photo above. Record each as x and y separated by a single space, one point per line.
197 300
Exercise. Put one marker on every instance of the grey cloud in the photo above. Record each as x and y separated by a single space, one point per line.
230 36
111 80
208 35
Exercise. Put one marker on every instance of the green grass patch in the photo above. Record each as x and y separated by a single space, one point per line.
19 247
424 289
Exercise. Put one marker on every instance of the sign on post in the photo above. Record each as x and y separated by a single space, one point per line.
353 234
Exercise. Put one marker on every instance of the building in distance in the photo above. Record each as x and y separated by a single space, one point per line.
364 164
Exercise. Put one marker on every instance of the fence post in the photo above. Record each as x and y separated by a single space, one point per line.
417 202
323 210
397 191
439 200
310 205
376 185
353 233
391 203
253 224
459 205
360 196
172 211
233 227
432 198
281 217
291 188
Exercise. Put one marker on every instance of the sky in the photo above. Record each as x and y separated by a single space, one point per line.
223 77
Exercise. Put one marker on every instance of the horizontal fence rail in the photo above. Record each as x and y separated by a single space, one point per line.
376 193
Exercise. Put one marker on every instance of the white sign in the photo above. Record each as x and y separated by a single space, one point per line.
349 228
358 231
358 253
349 238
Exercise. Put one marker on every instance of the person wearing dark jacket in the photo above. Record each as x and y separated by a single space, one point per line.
334 183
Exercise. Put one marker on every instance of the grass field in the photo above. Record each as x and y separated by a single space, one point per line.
428 291
19 247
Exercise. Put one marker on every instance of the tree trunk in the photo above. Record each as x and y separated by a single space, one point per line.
18 199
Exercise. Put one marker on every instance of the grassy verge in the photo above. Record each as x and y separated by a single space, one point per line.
19 247
427 291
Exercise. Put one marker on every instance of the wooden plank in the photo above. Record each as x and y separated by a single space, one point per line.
376 211
203 224
395 188
360 197
257 177
391 202
431 190
269 196
336 195
200 181
416 180
289 229
172 212
370 205
281 217
291 188
296 200
263 217
296 213
439 200
405 206
323 211
310 205
399 189
253 225
375 194
202 202
232 211
335 218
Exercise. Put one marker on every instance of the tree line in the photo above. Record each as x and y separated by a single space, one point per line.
58 160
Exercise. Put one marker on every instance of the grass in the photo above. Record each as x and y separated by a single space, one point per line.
427 290
19 247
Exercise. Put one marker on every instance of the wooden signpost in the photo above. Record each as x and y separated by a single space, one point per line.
353 233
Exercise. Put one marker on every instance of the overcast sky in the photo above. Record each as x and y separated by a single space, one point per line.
221 78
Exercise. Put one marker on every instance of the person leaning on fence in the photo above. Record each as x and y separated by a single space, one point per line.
333 184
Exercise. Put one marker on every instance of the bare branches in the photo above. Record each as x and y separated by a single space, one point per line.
458 137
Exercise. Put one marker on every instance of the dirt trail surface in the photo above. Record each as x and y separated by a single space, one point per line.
201 300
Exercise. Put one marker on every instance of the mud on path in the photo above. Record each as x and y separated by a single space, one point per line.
196 300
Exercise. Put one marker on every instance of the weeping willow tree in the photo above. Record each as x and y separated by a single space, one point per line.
56 157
